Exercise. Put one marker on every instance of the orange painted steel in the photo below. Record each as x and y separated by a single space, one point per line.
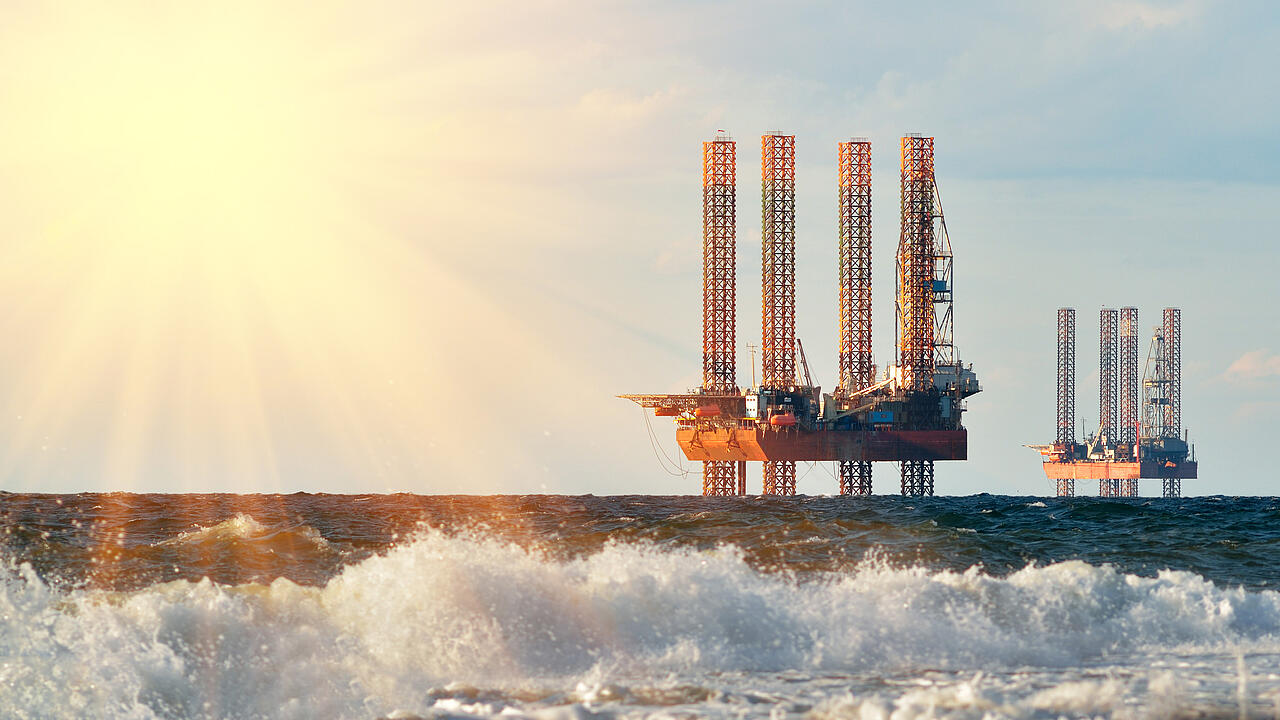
1096 470
719 291
757 444
719 265
1130 397
1108 322
857 370
778 283
915 263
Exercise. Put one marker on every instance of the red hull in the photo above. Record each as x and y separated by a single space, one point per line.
760 444
1118 470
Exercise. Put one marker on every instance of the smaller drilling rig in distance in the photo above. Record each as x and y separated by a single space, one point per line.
1140 433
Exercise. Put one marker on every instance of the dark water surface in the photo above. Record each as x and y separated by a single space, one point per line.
567 608
124 541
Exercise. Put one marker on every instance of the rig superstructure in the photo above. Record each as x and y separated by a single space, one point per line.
1139 435
910 413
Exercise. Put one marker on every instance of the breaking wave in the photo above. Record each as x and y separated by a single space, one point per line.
442 612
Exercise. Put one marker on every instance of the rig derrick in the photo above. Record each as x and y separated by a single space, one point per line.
909 414
1136 438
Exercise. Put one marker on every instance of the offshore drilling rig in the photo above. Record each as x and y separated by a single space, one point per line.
909 413
1136 438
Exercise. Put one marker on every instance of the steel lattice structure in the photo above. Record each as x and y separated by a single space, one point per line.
778 261
1127 433
1066 401
719 273
857 371
1107 323
780 477
1172 327
855 477
1171 487
719 267
856 368
778 290
915 266
916 263
1155 387
917 477
1066 432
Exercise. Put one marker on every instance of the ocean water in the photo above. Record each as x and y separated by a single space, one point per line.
552 607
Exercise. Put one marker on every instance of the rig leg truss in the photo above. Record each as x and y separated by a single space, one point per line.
1066 431
778 291
1127 433
915 264
857 371
1171 487
1066 488
855 477
917 477
719 273
719 477
1172 327
1107 323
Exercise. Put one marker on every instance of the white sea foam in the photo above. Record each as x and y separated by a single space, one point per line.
467 613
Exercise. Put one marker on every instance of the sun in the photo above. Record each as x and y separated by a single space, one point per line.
200 282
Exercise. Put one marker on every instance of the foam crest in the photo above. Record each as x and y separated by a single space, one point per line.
244 528
442 610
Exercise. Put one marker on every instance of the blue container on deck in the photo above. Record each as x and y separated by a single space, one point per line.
879 417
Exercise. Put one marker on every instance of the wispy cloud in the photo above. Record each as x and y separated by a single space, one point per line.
1118 16
1253 365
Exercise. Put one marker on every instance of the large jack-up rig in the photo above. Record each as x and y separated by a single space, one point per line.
1147 440
910 413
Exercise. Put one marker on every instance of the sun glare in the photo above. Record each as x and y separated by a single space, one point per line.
208 290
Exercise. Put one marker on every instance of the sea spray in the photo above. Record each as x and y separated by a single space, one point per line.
444 609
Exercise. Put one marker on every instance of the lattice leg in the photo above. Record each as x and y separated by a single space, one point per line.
855 477
719 477
917 477
1066 488
780 477
1172 487
1110 488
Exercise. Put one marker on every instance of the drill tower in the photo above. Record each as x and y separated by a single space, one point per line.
911 414
1148 440
857 371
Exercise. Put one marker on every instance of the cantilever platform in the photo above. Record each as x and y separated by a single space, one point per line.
770 444
1097 470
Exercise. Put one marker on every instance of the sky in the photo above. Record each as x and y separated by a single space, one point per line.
407 246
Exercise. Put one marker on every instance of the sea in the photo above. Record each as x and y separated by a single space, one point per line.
579 607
